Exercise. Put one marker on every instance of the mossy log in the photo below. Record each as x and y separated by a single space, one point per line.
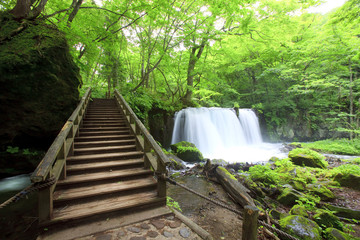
237 191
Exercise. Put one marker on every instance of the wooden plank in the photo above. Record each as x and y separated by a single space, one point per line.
83 192
103 133
104 149
109 205
103 176
106 143
105 156
107 164
113 137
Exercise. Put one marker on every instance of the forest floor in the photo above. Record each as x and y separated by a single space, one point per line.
224 224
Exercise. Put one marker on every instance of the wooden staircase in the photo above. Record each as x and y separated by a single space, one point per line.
106 170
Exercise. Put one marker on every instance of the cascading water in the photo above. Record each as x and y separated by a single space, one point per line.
219 133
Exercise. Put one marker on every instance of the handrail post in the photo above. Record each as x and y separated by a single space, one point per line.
250 223
45 204
161 187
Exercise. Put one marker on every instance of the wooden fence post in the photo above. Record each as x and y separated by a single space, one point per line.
250 223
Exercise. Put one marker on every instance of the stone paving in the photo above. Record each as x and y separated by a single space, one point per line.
163 228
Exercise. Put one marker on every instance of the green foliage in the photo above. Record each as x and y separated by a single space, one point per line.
263 173
346 169
12 150
172 203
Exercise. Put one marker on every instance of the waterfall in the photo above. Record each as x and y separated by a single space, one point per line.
219 133
250 122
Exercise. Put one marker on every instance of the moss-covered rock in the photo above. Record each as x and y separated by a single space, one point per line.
187 151
301 227
299 210
344 212
175 162
307 157
326 219
289 196
348 180
298 185
335 234
39 82
323 192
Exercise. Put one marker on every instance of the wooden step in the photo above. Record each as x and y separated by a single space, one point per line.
105 149
92 177
101 138
96 125
102 128
102 118
113 115
101 165
78 145
105 206
104 133
92 121
101 189
106 156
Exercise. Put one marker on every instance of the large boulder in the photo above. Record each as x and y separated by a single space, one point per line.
320 190
335 234
307 157
301 227
348 180
289 196
326 219
39 82
187 151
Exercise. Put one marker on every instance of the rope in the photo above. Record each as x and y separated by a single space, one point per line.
268 226
32 188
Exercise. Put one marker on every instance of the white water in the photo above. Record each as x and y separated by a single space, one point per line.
219 133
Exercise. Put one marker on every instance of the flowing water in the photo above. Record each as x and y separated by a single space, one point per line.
220 134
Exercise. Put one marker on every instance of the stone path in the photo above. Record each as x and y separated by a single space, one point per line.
163 228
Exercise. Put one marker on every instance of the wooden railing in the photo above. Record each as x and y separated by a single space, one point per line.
154 157
53 165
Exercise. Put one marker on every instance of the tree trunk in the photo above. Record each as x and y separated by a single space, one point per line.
351 101
25 9
194 58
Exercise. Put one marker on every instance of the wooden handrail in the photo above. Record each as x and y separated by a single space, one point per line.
60 148
146 142
144 131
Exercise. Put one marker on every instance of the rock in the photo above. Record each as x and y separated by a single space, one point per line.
176 163
152 234
307 157
144 226
344 212
219 162
134 229
103 237
175 224
299 210
298 185
138 238
335 234
323 192
187 152
39 83
158 224
328 220
168 234
348 180
275 214
289 196
121 234
301 227
184 232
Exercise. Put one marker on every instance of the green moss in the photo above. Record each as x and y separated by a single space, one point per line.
307 157
335 234
323 192
227 173
325 219
301 227
299 210
187 151
336 146
288 197
263 173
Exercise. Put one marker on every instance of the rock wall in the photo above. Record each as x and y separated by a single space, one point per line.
39 82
